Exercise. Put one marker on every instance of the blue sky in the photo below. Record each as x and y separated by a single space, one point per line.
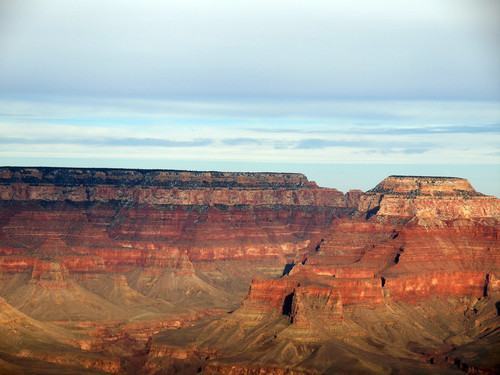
343 91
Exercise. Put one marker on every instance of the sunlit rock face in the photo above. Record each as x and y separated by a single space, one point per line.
134 271
432 199
162 187
407 283
159 227
406 245
123 254
425 185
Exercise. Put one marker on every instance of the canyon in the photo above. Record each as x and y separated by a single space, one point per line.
179 272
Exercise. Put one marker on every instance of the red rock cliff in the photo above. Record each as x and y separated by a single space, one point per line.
170 232
413 238
165 187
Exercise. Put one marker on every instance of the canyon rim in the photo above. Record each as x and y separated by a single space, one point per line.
179 272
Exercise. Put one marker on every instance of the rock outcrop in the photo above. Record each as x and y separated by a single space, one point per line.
164 187
419 253
167 232
138 251
432 199
180 272
407 246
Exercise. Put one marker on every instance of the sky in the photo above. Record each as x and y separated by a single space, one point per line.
346 92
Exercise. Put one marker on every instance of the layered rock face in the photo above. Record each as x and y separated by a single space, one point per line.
164 187
129 271
425 236
136 251
425 185
406 283
93 220
428 198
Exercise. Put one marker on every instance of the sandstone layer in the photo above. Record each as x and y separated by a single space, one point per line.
409 284
164 272
59 226
123 254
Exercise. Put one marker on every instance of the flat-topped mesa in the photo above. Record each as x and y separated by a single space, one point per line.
164 187
179 179
425 185
431 200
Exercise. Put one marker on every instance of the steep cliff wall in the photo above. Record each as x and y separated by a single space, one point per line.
412 238
169 233
163 187
402 278
432 198
413 274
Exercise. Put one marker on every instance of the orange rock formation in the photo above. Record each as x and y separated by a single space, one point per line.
130 271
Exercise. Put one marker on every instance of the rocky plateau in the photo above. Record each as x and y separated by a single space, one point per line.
177 272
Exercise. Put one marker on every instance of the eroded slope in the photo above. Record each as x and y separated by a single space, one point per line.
409 284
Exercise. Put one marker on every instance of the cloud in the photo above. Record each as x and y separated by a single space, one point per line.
396 129
242 141
380 146
415 150
260 131
251 49
323 143
429 130
108 142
